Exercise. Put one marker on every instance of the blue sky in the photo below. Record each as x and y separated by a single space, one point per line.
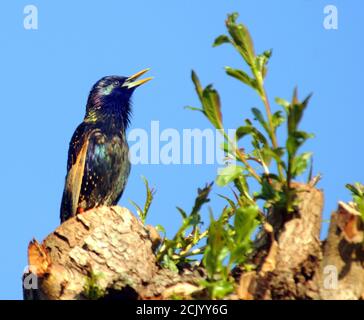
46 75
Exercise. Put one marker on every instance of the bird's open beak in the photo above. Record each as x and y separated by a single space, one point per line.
132 81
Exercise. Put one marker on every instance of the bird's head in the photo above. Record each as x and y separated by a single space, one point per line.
110 98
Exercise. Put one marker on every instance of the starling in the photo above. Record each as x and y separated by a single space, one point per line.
98 165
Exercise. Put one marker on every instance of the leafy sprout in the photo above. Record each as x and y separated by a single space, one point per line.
272 165
142 213
92 289
178 250
357 191
276 189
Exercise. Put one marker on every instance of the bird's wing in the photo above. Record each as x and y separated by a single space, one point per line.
77 155
106 170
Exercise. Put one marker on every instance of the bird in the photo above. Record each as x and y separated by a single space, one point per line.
98 165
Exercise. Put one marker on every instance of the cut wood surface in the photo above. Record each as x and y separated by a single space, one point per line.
108 253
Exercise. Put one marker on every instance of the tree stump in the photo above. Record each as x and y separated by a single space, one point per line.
107 253
101 253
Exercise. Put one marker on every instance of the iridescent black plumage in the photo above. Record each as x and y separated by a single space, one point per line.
98 166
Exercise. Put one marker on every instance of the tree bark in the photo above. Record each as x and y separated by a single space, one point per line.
107 250
108 253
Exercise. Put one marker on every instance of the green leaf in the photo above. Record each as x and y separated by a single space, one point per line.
303 136
244 222
228 174
359 201
267 192
295 140
138 209
92 289
161 229
184 238
215 251
295 112
356 189
294 117
222 288
307 100
233 17
218 289
358 196
275 153
261 62
230 202
259 116
202 198
296 165
142 213
251 130
351 188
277 119
241 184
212 106
300 163
242 76
228 149
265 154
194 108
210 101
243 131
149 198
283 103
197 84
291 145
169 263
182 212
241 38
221 40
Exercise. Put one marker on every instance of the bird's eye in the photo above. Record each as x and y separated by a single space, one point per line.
116 83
